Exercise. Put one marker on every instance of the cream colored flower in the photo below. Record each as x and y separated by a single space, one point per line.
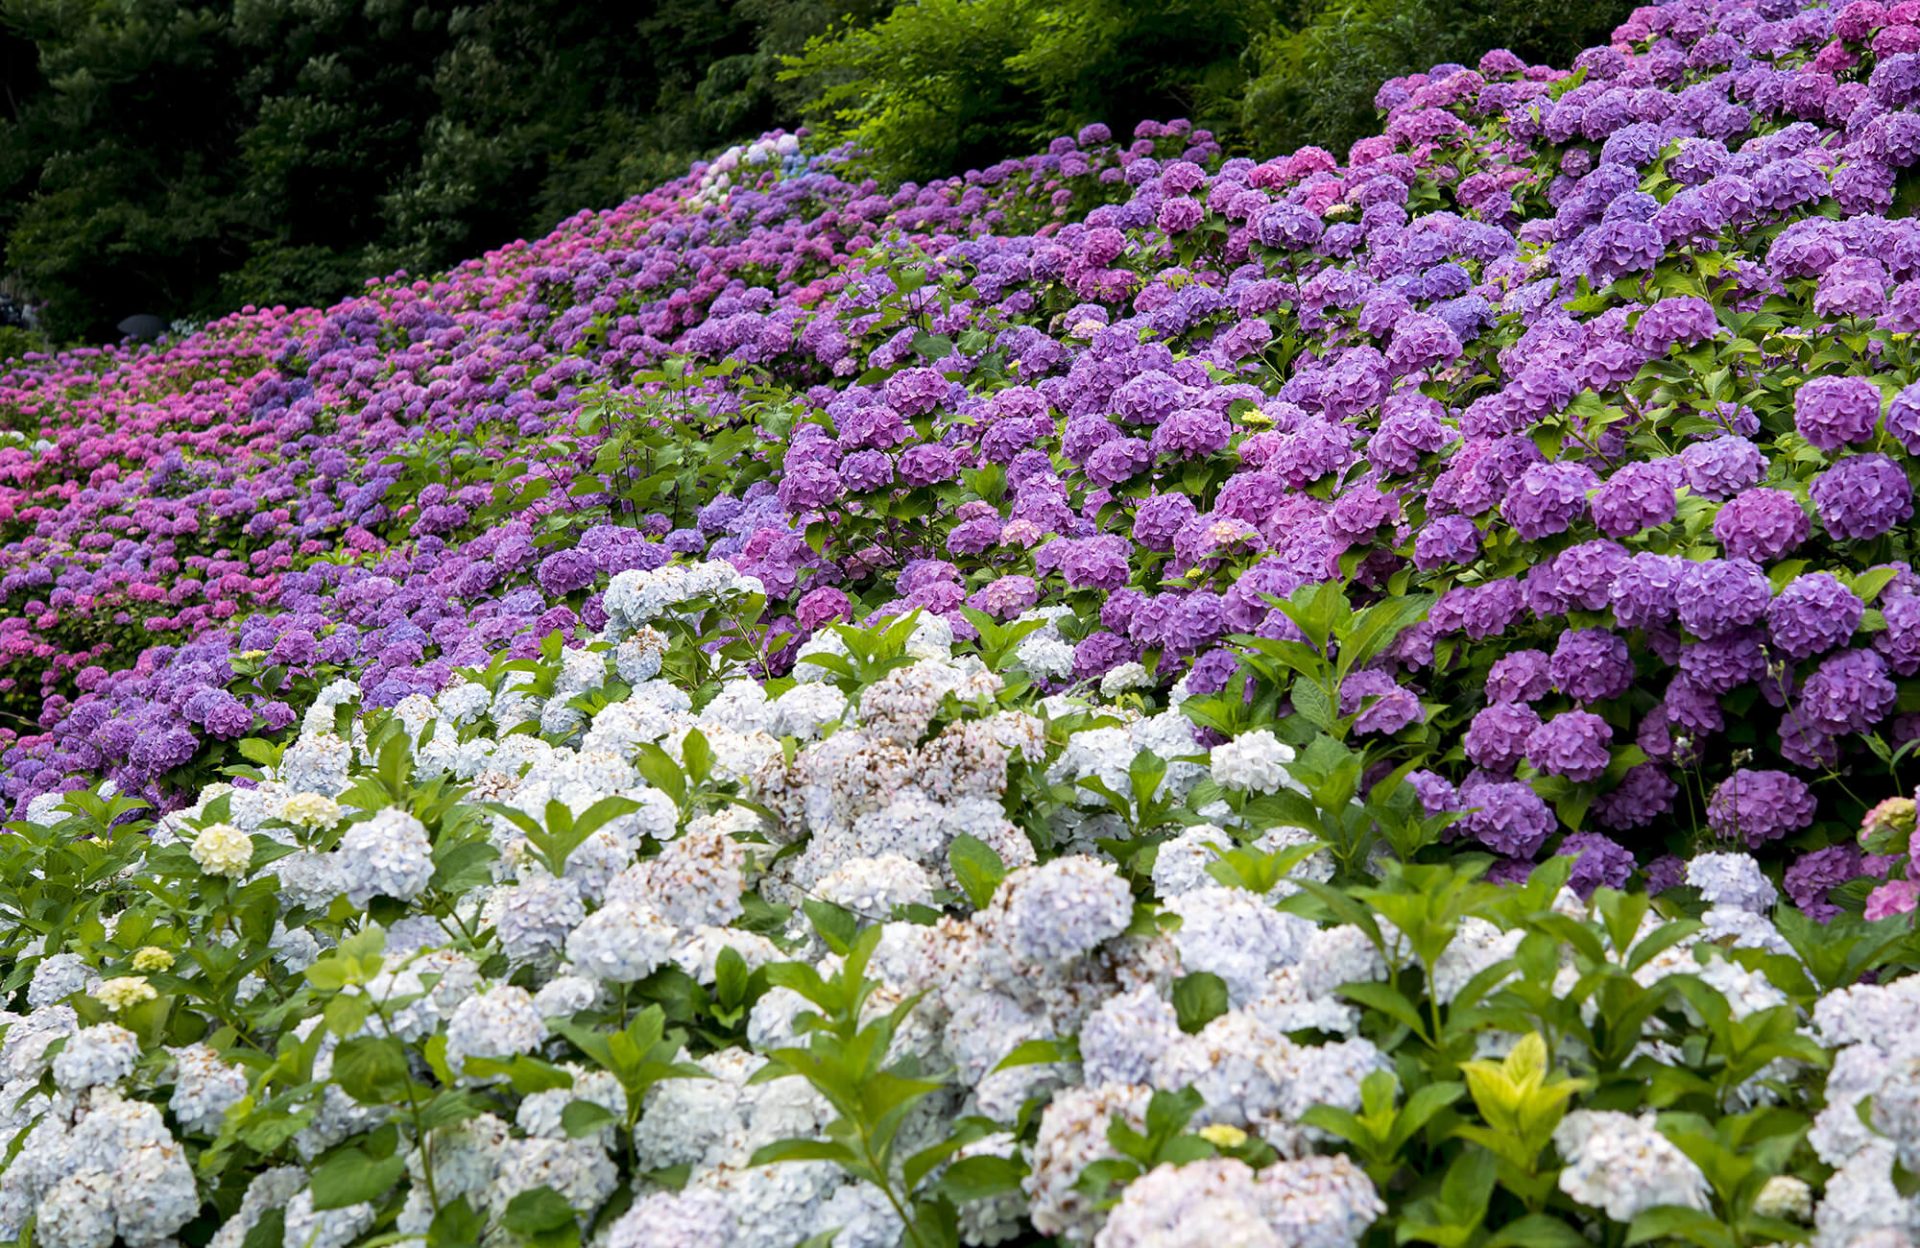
310 810
222 849
123 993
150 958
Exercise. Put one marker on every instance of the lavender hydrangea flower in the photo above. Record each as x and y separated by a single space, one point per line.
1548 498
1520 676
1638 497
1507 817
1849 692
1644 794
1599 862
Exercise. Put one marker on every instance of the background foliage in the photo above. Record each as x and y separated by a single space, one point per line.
186 159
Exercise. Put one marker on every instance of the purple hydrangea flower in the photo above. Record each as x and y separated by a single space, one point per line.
1643 795
1815 875
1812 615
1600 862
1761 524
1574 744
1665 872
1519 676
1646 590
1444 540
1548 498
1383 705
1849 692
1759 806
1718 596
1506 816
1862 496
1639 496
1591 665
1722 467
1832 412
563 572
1497 738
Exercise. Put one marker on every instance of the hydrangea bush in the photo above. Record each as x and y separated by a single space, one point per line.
1127 697
895 949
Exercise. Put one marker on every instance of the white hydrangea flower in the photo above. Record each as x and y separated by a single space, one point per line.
1254 762
1622 1165
102 1054
688 1219
1236 935
1732 880
59 976
1062 909
499 1023
1125 678
1316 1202
622 942
874 887
204 1088
387 855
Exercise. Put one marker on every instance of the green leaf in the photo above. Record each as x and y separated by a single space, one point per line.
837 925
1198 999
802 1150
271 1231
1679 1222
1388 1000
1537 1230
978 868
1039 1053
980 1178
541 1209
371 1070
457 1225
350 1177
581 1119
1310 701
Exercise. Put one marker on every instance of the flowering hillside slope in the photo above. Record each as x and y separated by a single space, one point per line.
1125 698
